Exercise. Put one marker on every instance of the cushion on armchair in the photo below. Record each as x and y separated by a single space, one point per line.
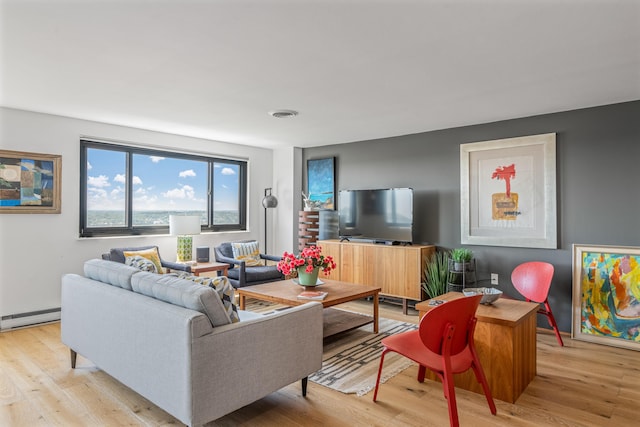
151 254
141 263
249 252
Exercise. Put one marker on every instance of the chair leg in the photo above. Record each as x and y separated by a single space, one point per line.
552 322
477 369
450 394
305 380
375 392
421 373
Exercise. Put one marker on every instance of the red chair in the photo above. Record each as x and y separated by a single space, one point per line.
533 280
444 344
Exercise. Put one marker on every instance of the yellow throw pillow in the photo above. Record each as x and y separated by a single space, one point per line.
248 252
150 254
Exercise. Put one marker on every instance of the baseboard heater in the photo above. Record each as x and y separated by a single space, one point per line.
27 319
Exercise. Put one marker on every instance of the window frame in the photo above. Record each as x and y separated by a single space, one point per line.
129 229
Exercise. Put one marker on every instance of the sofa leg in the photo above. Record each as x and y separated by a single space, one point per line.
74 356
304 386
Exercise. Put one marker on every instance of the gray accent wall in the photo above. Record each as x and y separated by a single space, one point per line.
598 186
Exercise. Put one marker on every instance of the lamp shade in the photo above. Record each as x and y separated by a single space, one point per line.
181 225
269 200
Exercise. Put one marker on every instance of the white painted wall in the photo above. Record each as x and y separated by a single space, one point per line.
287 179
37 249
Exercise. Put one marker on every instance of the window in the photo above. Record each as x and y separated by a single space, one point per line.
129 190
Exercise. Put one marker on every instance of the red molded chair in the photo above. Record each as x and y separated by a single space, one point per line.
533 280
444 344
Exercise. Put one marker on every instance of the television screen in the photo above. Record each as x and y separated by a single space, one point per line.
384 215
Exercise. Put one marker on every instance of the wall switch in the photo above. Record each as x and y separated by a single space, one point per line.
494 278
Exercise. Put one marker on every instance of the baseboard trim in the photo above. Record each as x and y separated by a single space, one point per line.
19 320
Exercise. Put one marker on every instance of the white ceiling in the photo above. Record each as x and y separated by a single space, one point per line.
354 69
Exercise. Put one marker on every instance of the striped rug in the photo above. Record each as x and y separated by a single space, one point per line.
351 359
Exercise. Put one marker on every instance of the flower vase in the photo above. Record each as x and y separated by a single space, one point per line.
308 279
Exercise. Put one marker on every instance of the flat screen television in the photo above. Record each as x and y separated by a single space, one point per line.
382 215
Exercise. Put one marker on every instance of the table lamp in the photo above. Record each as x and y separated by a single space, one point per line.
184 226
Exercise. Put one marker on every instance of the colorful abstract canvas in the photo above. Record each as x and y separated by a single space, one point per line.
29 183
607 295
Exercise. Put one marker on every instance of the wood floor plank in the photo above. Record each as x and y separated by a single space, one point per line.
581 384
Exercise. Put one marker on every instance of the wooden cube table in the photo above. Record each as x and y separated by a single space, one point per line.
505 339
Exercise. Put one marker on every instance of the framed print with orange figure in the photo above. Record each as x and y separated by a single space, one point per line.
508 192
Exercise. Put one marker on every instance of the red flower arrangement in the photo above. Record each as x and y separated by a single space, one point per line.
310 257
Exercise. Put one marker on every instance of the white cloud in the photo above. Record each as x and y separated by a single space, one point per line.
98 181
156 159
137 180
227 171
120 178
89 167
187 173
184 192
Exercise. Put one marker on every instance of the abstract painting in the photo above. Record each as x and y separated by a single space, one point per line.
508 192
606 295
29 182
321 182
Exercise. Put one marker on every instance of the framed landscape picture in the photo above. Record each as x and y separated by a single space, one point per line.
30 182
321 182
508 192
606 295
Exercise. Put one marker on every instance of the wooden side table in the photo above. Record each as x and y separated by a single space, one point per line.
505 339
205 267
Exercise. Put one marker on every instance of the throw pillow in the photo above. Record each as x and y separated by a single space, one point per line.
223 288
249 252
141 263
150 254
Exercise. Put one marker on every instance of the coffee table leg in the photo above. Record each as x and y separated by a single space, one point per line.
241 301
375 313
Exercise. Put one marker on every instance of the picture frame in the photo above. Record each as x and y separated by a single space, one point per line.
605 308
508 192
321 183
30 183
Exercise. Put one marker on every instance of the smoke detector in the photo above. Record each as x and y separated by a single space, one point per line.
283 114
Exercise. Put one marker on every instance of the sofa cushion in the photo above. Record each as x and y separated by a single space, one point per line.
109 272
185 293
151 254
249 252
141 263
225 291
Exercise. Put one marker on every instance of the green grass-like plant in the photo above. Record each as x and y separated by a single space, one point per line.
436 273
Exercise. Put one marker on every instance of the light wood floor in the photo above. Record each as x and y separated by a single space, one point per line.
581 384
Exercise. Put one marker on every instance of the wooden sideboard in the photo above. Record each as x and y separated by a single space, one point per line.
398 270
505 339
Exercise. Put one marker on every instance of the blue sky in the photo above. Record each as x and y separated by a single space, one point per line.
159 183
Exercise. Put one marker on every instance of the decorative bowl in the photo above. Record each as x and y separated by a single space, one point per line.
489 295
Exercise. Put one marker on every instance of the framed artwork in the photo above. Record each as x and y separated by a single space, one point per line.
606 295
508 192
321 184
30 182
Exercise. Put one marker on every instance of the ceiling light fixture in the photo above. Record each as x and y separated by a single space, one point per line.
283 114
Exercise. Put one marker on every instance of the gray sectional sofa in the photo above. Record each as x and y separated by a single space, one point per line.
171 341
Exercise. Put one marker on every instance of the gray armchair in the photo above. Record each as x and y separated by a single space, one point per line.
117 255
245 275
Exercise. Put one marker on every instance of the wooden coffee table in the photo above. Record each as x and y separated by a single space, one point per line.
335 321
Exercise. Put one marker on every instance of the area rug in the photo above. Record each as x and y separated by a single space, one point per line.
350 360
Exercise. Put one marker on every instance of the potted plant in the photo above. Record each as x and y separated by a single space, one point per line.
306 265
436 272
461 258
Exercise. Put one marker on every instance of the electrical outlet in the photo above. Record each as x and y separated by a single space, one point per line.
494 278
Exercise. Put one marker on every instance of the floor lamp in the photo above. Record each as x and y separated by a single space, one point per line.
269 201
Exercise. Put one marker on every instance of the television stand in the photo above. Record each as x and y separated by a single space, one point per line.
397 269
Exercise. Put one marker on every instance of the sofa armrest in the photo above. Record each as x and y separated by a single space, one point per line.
257 357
